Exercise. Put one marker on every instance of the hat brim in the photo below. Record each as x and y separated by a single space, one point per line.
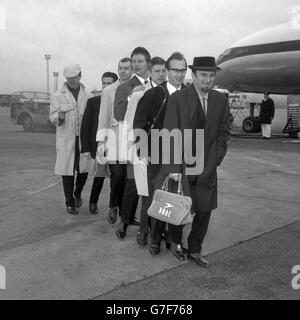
205 69
71 75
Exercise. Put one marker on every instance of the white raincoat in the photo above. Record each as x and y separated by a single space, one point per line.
63 100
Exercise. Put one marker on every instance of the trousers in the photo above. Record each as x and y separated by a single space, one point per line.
96 189
199 226
130 197
117 184
197 234
68 181
266 130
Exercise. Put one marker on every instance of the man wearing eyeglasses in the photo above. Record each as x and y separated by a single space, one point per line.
151 108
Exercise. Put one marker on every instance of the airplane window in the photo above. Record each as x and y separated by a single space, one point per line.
226 53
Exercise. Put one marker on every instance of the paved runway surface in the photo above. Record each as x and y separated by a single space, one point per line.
50 255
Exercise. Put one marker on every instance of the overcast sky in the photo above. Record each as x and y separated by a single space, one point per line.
97 33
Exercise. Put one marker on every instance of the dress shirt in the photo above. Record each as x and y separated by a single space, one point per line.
142 80
171 88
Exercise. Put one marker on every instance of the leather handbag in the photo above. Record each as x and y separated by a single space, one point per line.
172 208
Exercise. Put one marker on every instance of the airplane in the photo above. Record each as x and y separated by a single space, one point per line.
266 60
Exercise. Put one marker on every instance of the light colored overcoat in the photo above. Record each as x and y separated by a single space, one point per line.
63 100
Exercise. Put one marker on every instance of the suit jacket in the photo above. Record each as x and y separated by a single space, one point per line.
184 111
121 98
147 110
267 111
89 126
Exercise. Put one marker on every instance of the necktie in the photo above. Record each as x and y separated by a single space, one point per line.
204 106
145 82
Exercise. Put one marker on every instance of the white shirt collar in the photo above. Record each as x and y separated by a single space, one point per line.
171 88
153 83
142 80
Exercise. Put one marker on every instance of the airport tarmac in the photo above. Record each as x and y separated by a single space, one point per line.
253 239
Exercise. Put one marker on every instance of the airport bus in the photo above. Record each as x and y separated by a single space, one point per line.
31 110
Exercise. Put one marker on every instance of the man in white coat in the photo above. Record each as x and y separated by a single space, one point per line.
108 140
66 111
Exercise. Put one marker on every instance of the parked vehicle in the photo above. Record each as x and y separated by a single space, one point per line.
31 110
4 100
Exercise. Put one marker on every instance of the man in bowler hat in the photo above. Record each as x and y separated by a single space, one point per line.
198 107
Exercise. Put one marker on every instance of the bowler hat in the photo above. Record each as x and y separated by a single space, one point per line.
205 64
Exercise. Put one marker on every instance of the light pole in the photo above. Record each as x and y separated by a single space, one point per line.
48 57
55 75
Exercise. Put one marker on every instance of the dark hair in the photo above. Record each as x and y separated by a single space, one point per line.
124 60
175 56
157 61
110 75
143 51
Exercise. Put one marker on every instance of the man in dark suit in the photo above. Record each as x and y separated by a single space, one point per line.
150 115
266 116
140 60
198 107
88 133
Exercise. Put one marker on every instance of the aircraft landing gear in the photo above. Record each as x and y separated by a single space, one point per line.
251 125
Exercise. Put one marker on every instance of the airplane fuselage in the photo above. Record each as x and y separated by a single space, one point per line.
268 60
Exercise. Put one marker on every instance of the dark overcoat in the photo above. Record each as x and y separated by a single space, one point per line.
184 111
267 111
89 126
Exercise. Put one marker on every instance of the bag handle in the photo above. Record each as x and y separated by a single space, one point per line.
166 184
159 112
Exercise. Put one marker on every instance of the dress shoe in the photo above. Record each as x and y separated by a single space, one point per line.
177 251
141 239
165 237
93 208
112 215
135 222
121 231
154 249
71 210
198 259
78 201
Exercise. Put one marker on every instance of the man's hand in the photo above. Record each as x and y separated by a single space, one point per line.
175 176
61 117
101 154
145 161
88 155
